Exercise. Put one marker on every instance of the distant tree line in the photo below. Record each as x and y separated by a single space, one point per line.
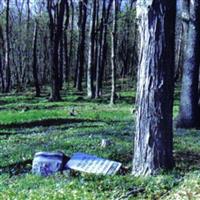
58 42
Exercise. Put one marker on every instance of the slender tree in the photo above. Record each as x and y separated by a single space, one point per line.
1 65
182 21
81 46
66 48
90 70
113 51
71 52
189 111
34 65
7 47
103 55
155 86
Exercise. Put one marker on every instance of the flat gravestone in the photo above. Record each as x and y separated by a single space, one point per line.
93 164
46 163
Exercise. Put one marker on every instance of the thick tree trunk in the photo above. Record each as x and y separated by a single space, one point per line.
189 112
113 52
34 65
90 89
153 138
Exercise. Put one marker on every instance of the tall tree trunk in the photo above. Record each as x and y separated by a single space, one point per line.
56 31
99 66
67 57
154 135
45 59
99 87
113 52
71 53
7 47
61 62
182 21
27 67
81 48
90 89
189 112
1 75
34 65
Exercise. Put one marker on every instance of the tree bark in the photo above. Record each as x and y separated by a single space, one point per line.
56 31
34 65
99 85
1 75
182 21
100 50
154 135
61 63
189 111
81 48
7 47
113 52
90 89
71 52
67 57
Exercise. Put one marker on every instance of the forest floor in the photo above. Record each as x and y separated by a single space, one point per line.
29 124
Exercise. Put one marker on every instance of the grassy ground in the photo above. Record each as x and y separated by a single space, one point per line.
29 125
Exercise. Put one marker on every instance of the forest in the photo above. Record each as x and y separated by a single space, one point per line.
99 99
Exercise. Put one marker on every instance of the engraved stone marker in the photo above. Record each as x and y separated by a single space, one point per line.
93 164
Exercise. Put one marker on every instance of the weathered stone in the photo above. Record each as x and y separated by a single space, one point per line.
92 164
46 163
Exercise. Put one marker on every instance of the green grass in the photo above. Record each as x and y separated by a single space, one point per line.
21 137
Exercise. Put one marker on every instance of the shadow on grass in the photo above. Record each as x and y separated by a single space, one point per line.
187 161
54 122
17 168
45 122
8 134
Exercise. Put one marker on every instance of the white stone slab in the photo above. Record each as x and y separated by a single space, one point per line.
93 164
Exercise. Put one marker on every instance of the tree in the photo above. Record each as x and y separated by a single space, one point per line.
71 52
154 101
66 42
113 51
189 111
182 21
34 65
1 66
7 47
103 54
81 45
56 31
90 70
